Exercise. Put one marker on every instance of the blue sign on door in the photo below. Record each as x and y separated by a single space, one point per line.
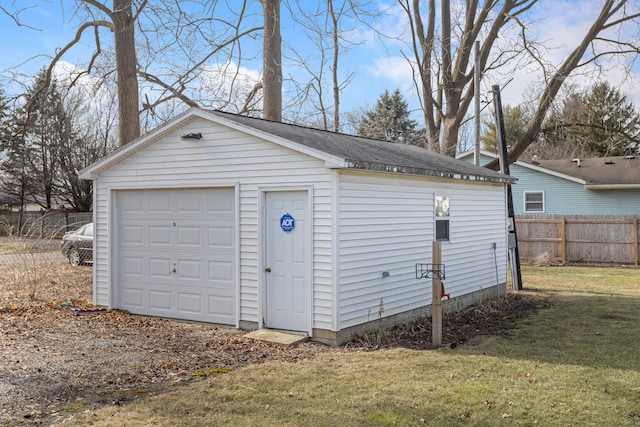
287 222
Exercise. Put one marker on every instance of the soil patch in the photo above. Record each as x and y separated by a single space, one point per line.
56 361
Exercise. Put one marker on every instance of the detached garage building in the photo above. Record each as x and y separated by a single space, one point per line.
228 219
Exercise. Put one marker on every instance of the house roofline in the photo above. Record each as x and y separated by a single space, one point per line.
331 161
91 172
530 166
612 186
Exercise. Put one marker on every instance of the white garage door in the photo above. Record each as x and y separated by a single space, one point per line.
176 253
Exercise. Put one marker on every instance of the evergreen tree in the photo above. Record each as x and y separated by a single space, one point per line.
515 125
598 122
37 143
14 181
48 128
390 121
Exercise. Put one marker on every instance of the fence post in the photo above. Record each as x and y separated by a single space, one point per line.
436 296
635 240
563 239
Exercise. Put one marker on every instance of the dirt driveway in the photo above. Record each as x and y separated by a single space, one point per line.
54 363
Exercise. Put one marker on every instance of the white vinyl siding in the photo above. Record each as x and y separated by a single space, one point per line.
384 226
478 219
223 158
388 225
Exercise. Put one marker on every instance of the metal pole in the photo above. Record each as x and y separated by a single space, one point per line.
504 168
476 81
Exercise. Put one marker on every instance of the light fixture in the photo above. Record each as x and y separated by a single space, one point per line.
191 137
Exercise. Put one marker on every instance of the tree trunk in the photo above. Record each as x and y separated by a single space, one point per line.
272 61
126 65
334 71
450 133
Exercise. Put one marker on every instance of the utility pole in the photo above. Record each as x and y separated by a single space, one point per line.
476 83
516 274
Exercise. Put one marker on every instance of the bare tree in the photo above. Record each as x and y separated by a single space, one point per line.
330 27
272 60
94 136
445 73
199 57
120 20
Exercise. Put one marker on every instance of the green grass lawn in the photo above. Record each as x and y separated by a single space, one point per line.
576 363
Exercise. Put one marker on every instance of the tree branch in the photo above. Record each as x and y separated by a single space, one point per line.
169 88
554 85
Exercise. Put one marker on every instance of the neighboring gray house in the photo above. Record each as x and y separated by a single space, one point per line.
607 185
222 218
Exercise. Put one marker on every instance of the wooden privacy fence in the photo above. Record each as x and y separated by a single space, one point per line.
42 225
608 239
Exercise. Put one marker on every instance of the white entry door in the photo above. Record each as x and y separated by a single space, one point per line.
288 261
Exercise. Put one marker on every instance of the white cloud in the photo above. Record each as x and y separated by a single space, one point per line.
393 68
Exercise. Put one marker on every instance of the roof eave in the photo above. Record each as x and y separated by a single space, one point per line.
612 186
293 145
552 172
378 167
93 171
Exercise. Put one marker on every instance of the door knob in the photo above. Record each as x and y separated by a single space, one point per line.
268 269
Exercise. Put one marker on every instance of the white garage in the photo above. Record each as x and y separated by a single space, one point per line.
235 220
176 253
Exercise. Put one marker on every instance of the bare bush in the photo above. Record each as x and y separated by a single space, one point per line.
28 256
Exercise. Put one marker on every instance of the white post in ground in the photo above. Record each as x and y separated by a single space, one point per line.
436 295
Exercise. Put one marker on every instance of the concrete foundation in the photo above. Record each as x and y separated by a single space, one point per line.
336 338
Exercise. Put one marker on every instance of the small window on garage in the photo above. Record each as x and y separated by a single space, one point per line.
534 201
442 218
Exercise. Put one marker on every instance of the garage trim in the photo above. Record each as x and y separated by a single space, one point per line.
262 244
113 239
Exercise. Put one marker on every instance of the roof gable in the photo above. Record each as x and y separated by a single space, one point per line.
336 149
593 172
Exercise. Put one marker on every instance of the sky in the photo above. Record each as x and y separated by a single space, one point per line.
373 65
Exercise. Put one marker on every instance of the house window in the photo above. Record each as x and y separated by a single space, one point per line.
442 218
534 201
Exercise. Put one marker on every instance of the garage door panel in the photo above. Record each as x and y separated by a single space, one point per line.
221 272
189 202
133 266
220 237
190 303
159 235
132 234
159 202
190 236
160 300
160 268
130 203
133 297
222 306
192 231
190 270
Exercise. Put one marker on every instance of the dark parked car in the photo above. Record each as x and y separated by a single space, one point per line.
78 245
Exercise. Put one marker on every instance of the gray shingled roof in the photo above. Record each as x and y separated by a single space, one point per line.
596 170
371 154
